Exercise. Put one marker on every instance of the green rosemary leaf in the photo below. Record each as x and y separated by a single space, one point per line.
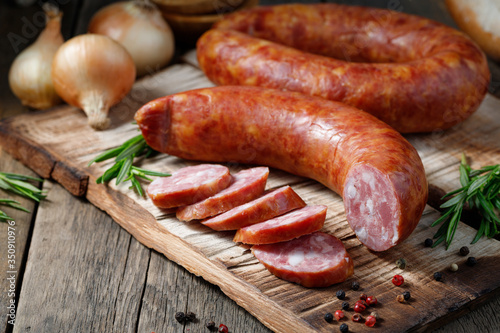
106 155
464 175
458 199
112 172
125 169
442 218
480 232
21 177
452 226
137 186
151 173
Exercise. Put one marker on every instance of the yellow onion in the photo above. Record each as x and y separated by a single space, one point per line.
141 29
93 72
29 76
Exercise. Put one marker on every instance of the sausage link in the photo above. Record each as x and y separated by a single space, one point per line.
377 172
415 74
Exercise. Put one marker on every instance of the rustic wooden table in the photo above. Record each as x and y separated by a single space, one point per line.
76 270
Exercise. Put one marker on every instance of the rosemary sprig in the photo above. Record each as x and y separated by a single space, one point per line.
123 168
481 191
18 184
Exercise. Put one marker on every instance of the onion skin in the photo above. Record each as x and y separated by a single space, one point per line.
141 29
30 73
93 72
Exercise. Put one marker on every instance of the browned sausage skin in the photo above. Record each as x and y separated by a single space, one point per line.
415 74
378 173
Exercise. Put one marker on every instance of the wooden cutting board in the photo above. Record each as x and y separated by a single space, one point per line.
58 144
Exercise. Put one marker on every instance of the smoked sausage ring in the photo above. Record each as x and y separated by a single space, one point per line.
415 74
377 172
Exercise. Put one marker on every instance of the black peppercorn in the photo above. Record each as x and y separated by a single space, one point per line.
329 317
464 250
406 295
190 316
471 261
354 285
438 276
180 317
345 305
344 328
428 242
340 294
210 325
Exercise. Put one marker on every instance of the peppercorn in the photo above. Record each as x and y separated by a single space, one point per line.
398 280
428 242
180 317
371 300
363 296
345 306
344 328
453 267
464 250
328 317
223 329
358 307
375 314
356 317
339 314
401 263
400 298
340 294
370 321
362 302
190 316
355 285
438 276
471 261
210 325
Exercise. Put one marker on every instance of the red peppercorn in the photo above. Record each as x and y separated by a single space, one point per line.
356 317
398 280
223 329
371 300
370 321
339 314
363 296
361 302
358 307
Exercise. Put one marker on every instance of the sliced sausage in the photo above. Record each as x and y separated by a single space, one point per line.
313 260
189 185
272 204
285 227
246 186
377 172
415 74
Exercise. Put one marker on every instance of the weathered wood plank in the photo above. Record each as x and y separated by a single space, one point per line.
80 262
20 237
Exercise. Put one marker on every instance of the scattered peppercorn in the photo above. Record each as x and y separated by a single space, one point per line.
406 295
190 316
370 321
339 314
362 302
363 296
401 263
180 317
223 328
400 298
453 267
355 285
345 306
328 317
340 294
375 314
356 317
371 300
464 250
428 242
344 328
438 276
471 261
359 307
398 280
210 325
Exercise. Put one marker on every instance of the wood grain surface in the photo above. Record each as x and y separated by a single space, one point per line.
168 287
